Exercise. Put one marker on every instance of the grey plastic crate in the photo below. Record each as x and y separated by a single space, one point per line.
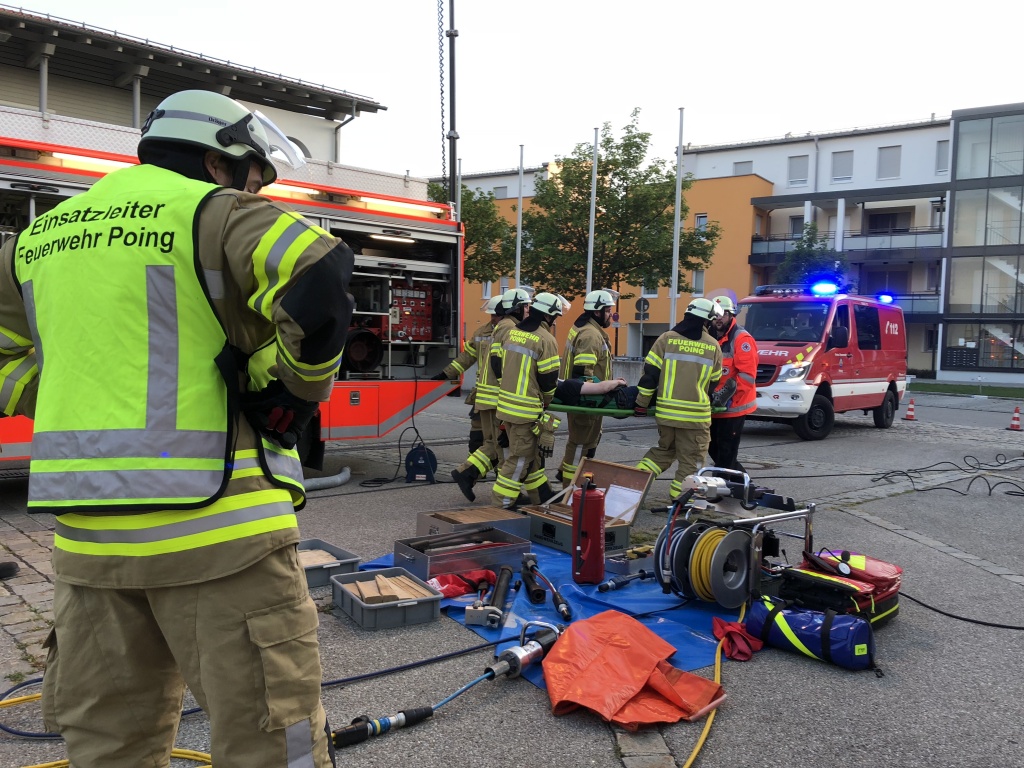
384 615
319 575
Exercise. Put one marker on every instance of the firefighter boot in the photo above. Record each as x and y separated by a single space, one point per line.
466 480
545 493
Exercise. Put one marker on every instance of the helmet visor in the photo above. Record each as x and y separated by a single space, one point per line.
281 149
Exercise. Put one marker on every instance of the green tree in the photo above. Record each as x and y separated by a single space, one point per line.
487 234
812 260
633 231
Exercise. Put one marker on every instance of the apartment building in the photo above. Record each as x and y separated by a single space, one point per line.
929 212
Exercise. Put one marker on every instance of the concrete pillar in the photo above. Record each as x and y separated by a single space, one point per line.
136 102
840 223
44 76
808 213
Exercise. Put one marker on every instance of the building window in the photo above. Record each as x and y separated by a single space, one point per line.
700 222
931 340
997 345
889 162
1008 145
503 284
698 282
796 226
942 157
744 168
969 217
798 165
649 293
500 193
972 151
488 287
842 166
758 225
931 277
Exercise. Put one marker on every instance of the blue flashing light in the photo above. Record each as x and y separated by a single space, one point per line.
824 289
885 298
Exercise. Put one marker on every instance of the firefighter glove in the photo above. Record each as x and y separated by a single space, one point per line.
439 376
721 396
545 431
639 410
278 414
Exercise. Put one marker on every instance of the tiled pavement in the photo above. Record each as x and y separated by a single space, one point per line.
26 600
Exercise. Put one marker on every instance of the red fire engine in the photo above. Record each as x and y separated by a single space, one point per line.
407 284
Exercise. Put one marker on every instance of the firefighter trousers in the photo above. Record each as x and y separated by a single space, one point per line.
725 442
489 455
583 439
118 661
521 470
686 447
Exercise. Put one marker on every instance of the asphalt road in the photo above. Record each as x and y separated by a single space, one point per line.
930 495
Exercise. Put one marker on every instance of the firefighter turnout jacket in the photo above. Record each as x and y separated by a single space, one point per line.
739 363
587 352
527 371
142 300
681 371
476 350
489 400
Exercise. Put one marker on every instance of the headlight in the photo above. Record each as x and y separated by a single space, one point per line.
793 371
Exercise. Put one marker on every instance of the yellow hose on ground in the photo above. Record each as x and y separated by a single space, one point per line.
711 717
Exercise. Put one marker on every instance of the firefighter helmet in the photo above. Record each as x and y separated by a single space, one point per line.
514 298
210 121
598 300
705 309
726 304
550 304
491 304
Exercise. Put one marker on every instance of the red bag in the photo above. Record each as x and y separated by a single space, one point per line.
458 584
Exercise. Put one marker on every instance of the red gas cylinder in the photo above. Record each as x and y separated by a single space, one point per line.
588 533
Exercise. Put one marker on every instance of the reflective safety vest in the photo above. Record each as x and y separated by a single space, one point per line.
686 368
525 354
739 362
136 377
477 350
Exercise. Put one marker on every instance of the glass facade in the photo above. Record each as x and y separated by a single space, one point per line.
984 324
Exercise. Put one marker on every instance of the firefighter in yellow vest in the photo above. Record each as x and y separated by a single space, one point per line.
483 452
682 369
527 371
174 488
736 395
588 356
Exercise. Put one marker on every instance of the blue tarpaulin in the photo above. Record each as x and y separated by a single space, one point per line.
685 625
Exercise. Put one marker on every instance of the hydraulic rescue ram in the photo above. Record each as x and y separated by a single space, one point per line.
510 663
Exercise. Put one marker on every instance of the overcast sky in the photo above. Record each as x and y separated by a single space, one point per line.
545 73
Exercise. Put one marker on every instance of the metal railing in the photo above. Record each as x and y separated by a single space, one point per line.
856 240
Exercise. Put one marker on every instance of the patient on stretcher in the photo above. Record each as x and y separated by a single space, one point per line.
613 395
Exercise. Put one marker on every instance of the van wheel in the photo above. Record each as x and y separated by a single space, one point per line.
885 413
817 423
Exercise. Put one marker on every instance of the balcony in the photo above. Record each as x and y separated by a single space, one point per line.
925 303
905 243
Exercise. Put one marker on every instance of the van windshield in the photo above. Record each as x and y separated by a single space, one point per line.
785 320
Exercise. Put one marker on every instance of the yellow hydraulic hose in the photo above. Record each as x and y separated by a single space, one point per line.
718 679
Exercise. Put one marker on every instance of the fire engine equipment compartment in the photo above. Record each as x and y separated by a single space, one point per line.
405 286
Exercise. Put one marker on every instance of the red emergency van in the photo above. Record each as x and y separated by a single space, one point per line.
821 353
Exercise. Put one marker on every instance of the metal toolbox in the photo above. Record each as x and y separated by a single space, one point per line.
421 561
625 488
319 574
465 518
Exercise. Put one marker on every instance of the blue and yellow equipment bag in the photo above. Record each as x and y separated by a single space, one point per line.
845 640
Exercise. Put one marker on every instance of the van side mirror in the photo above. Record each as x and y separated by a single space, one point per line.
839 338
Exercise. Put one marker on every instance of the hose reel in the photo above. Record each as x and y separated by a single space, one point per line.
704 562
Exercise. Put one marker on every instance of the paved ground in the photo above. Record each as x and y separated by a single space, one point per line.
931 495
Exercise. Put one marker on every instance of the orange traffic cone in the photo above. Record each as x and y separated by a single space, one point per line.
1015 420
910 412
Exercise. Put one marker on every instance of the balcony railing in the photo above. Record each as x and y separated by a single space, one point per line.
856 240
925 303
